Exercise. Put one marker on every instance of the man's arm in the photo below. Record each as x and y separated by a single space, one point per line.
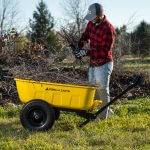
84 38
81 52
108 41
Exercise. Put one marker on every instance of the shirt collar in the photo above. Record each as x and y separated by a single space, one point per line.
102 21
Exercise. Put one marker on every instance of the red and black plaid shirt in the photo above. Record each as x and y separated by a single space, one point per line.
101 38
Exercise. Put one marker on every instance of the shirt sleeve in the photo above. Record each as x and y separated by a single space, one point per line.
84 38
108 40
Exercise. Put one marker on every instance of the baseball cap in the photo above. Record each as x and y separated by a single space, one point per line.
93 11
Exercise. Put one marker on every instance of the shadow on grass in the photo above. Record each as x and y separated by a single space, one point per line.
63 126
134 130
142 143
96 142
14 130
68 121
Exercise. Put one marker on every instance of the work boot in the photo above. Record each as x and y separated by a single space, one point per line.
109 114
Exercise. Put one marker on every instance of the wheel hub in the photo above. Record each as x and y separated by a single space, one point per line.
37 117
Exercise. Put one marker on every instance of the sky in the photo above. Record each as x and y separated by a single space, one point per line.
118 12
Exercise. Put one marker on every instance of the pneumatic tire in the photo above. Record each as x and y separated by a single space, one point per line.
37 115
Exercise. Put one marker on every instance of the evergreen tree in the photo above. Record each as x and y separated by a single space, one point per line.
42 25
142 37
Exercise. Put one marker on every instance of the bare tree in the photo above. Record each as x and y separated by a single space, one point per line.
8 14
74 8
74 11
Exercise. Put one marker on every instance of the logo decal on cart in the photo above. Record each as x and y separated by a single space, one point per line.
59 90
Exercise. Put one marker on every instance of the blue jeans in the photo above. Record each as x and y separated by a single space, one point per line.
100 76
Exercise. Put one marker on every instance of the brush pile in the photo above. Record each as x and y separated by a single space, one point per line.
40 68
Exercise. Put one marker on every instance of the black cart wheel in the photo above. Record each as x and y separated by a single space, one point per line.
57 113
37 115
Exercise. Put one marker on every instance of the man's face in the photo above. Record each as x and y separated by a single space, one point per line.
98 18
95 20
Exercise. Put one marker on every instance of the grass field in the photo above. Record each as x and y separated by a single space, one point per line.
136 63
128 129
128 62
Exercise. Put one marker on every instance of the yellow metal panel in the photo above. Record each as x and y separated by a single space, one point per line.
59 95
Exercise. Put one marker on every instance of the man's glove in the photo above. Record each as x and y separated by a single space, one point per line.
80 53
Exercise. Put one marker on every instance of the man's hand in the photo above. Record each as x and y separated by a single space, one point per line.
80 53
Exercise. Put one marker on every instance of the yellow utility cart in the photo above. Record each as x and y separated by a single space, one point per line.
44 100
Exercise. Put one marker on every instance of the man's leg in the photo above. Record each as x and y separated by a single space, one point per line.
102 76
91 76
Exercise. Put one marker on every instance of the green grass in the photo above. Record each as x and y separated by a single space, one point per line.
136 63
128 129
129 63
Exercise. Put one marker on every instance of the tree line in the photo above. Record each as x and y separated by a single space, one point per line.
41 29
135 42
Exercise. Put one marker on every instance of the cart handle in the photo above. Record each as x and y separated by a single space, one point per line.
133 84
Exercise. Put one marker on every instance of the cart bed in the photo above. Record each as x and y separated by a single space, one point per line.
59 95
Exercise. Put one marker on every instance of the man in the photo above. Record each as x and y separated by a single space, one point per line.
99 33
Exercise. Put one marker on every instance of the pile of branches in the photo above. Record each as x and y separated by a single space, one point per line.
35 67
40 68
121 79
